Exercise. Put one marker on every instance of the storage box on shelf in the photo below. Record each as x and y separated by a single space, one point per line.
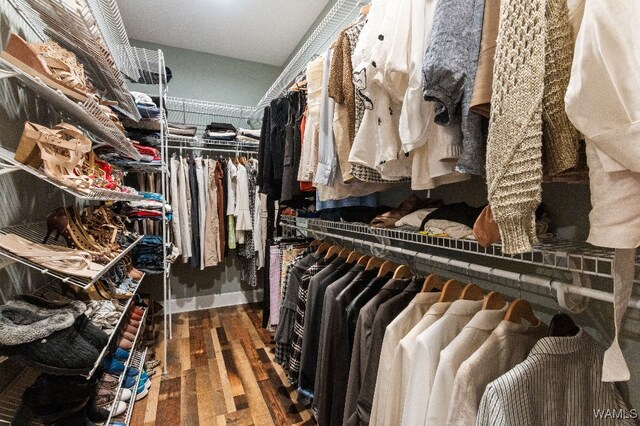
87 115
35 232
571 256
130 363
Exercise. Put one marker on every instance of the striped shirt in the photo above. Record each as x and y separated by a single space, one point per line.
560 383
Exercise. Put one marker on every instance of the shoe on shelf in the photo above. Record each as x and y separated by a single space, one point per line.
143 389
68 261
133 372
109 403
121 354
46 341
113 366
82 324
56 67
129 336
125 344
130 329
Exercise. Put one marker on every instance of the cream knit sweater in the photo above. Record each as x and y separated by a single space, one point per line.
514 146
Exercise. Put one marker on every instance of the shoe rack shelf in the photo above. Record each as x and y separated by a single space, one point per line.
93 30
134 355
138 362
90 194
551 254
87 115
35 232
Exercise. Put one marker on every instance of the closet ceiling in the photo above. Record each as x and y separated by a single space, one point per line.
253 30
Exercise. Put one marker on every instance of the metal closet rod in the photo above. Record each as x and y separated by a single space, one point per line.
535 280
225 149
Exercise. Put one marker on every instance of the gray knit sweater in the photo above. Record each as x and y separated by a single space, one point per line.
449 71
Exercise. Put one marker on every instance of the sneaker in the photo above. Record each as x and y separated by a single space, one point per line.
142 391
121 354
113 366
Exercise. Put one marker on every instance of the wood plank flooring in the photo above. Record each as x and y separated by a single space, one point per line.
221 372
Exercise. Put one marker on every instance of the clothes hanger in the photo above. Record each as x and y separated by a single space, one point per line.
471 292
493 301
562 325
364 10
432 282
402 271
364 260
354 256
345 253
386 267
451 291
323 248
521 309
374 263
333 250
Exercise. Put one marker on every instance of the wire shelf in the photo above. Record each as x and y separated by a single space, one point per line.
148 65
76 27
91 194
340 15
109 22
571 256
199 113
138 362
134 356
87 115
35 232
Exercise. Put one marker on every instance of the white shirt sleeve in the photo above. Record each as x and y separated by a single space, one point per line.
602 98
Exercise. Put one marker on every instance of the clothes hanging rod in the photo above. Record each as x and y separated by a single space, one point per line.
228 150
534 280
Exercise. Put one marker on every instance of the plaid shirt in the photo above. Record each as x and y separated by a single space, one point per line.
298 328
283 350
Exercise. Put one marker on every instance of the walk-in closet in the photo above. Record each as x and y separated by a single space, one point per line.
328 212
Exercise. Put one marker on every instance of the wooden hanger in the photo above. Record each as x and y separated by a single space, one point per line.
451 291
299 86
374 263
402 271
493 301
345 253
315 243
364 10
323 248
432 282
472 292
364 260
333 250
521 309
386 267
354 256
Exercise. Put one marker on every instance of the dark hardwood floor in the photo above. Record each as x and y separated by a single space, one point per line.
221 372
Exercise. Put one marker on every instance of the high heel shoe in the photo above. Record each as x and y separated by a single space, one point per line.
61 222
62 150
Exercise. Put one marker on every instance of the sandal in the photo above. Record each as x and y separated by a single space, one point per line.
56 67
61 220
60 259
62 150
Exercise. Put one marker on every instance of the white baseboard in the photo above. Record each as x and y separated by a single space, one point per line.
210 301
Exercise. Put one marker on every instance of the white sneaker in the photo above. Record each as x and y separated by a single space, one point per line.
125 394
